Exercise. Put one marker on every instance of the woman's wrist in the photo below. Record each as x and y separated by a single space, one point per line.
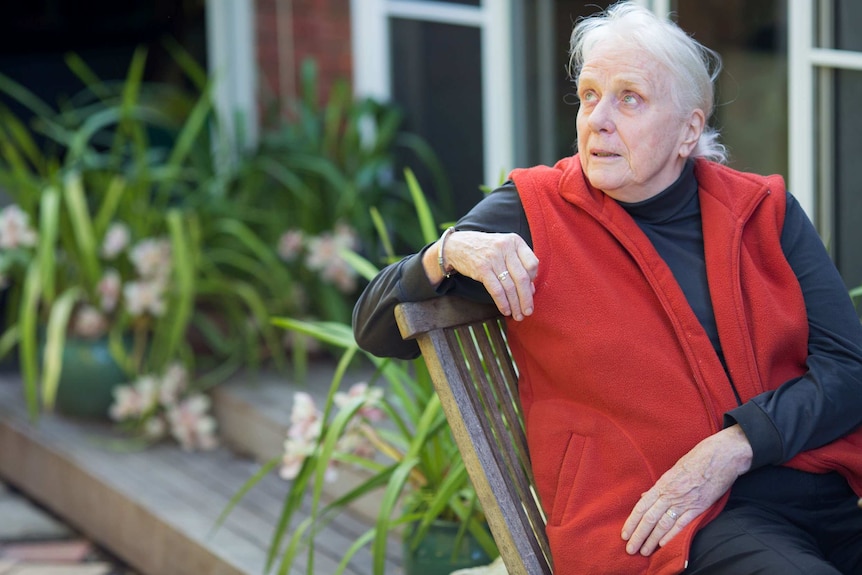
435 260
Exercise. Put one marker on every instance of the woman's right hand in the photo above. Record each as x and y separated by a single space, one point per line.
503 263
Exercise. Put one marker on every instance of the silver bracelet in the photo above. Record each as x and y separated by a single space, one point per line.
440 262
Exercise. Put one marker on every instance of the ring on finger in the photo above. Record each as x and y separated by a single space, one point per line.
503 275
672 514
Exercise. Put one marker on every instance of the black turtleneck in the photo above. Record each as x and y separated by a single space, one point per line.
671 221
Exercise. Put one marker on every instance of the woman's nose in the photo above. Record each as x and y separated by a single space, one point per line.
601 116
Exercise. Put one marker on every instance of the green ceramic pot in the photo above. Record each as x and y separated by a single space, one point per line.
88 379
438 554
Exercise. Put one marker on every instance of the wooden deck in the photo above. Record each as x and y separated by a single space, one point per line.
156 509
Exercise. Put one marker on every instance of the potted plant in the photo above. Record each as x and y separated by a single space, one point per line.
110 255
393 429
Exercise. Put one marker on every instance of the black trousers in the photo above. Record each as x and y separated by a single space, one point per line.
780 521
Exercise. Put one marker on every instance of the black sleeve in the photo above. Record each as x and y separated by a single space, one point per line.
826 402
374 324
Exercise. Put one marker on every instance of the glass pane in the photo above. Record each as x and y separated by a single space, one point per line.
436 78
546 97
837 24
751 96
847 93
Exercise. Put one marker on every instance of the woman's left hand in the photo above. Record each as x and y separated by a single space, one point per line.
686 490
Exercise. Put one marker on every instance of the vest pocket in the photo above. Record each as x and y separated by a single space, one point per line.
567 479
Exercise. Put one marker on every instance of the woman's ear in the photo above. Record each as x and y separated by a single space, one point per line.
692 129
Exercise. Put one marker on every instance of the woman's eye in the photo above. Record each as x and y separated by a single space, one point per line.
589 96
630 99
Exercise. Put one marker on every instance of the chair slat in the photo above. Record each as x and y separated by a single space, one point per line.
464 345
506 425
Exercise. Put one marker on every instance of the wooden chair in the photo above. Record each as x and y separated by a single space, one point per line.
464 345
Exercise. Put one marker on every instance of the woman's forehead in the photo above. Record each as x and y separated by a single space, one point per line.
623 63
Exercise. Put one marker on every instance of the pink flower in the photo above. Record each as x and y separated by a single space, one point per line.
126 404
152 258
174 383
302 436
322 250
295 452
305 418
145 297
109 289
290 245
353 441
191 425
155 427
341 275
370 396
345 236
147 388
15 230
116 240
132 401
89 322
324 256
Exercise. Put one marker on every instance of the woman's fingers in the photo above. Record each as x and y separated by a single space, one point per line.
503 263
688 488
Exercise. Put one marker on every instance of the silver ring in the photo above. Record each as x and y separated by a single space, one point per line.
672 514
503 275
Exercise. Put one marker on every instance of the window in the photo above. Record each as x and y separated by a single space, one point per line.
839 90
437 81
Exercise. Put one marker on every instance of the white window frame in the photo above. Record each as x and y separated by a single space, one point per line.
811 69
372 76
231 53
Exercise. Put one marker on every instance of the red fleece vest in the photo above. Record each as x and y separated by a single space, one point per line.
617 376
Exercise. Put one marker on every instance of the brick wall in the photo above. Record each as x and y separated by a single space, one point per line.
289 31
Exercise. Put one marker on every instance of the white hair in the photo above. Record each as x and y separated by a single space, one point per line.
693 67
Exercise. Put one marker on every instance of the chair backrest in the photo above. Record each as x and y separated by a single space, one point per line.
464 345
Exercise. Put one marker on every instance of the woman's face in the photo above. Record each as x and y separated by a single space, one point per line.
632 138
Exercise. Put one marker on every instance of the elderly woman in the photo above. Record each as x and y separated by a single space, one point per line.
690 362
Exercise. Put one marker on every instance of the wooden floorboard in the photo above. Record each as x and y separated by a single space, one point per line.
157 508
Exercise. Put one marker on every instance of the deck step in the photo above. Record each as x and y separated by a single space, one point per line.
157 508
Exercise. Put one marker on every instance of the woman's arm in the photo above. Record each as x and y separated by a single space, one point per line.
408 280
826 402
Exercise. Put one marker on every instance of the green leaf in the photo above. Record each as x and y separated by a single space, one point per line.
423 211
255 304
9 339
334 333
361 265
172 327
82 226
108 209
19 138
25 97
258 248
382 232
55 340
384 525
28 350
265 470
193 70
86 74
49 225
192 128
